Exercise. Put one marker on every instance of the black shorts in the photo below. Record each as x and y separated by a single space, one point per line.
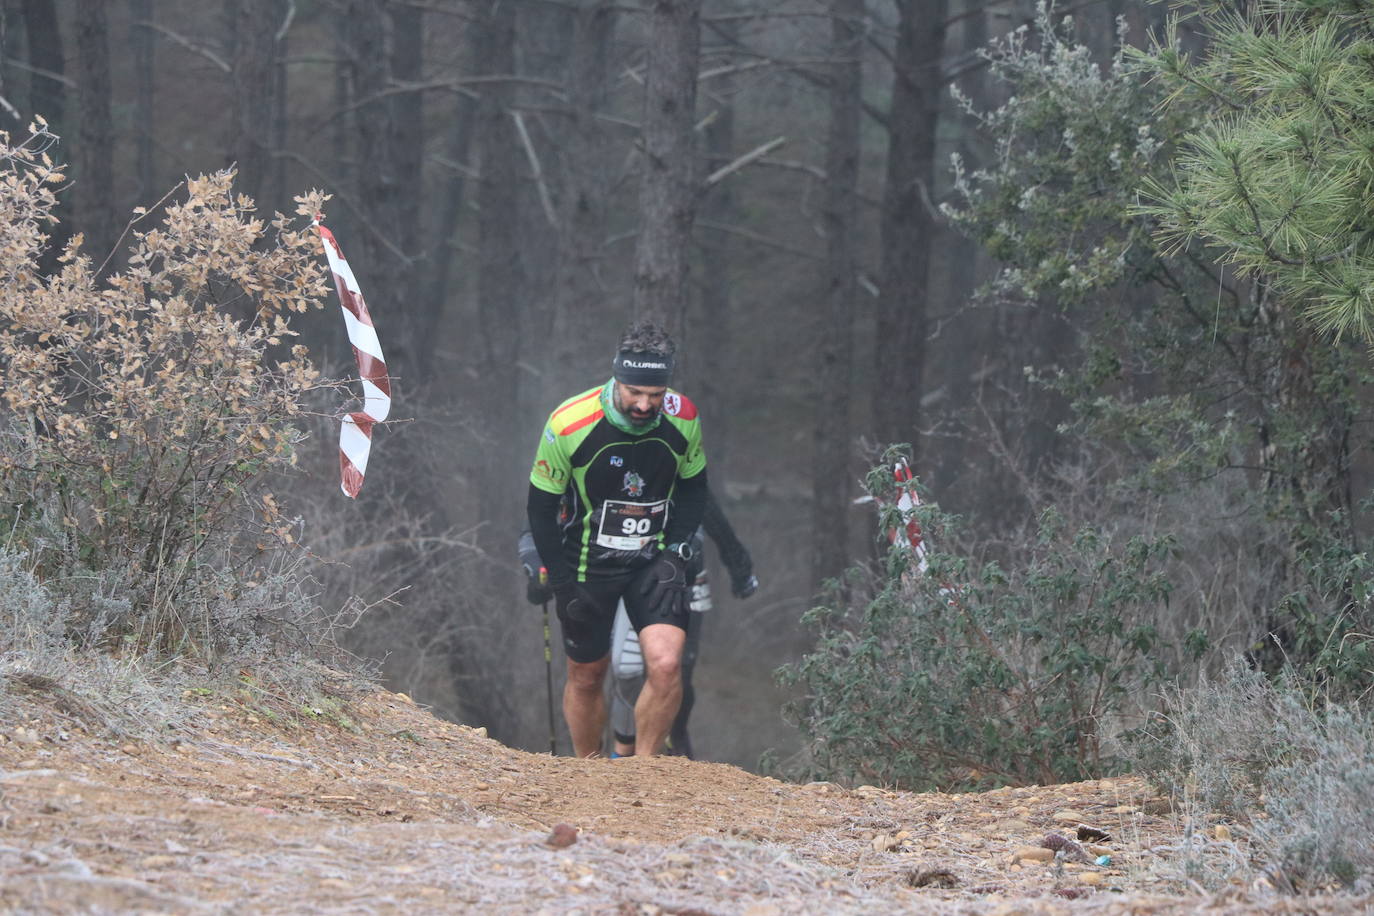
588 640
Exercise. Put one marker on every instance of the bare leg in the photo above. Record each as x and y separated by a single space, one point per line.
662 692
584 705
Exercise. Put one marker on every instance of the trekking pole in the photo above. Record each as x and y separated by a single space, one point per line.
548 680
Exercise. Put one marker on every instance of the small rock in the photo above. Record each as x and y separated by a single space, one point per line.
932 877
1158 806
481 786
563 836
1221 832
1068 816
1092 878
762 909
1032 854
480 731
882 843
157 861
405 699
1008 826
1087 834
1067 848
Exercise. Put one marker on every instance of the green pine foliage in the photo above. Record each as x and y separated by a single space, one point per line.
1281 180
1197 377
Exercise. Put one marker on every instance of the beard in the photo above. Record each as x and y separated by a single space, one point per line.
636 418
642 419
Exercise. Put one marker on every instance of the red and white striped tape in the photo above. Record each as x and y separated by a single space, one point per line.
907 501
355 434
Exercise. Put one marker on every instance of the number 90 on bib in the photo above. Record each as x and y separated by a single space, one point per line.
630 526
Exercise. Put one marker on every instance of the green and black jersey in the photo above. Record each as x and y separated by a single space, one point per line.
618 481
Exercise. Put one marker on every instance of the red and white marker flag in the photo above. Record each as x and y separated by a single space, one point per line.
355 435
907 501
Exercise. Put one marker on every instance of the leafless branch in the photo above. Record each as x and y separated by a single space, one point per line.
358 212
753 155
535 168
756 237
286 20
192 46
53 75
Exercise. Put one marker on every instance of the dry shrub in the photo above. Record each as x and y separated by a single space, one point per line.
1290 766
142 412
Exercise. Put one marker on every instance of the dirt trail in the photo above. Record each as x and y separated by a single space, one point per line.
406 812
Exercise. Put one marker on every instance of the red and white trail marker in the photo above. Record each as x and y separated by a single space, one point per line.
355 433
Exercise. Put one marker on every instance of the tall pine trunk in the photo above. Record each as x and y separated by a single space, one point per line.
831 437
908 223
667 198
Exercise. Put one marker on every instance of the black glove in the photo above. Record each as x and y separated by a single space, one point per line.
743 586
537 592
575 602
743 582
664 585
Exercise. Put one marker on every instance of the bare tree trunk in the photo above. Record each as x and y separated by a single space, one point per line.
715 347
253 29
445 251
408 120
500 279
48 99
143 47
830 449
582 309
47 93
279 134
908 224
667 199
95 140
387 196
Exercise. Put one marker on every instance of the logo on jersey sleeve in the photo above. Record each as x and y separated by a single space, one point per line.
675 405
633 485
548 434
548 472
617 461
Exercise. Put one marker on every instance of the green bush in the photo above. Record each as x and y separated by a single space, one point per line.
143 411
983 673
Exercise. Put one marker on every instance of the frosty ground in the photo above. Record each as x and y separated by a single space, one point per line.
383 808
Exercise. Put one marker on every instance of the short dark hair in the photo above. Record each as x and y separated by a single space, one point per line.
645 335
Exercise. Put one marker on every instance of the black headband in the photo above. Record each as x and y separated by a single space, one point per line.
650 369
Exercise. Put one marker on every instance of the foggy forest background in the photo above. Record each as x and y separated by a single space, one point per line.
846 290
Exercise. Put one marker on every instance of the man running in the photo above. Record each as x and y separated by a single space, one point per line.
627 455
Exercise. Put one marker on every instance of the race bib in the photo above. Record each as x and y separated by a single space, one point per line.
630 526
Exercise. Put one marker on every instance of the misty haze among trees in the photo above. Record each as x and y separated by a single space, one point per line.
1101 271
